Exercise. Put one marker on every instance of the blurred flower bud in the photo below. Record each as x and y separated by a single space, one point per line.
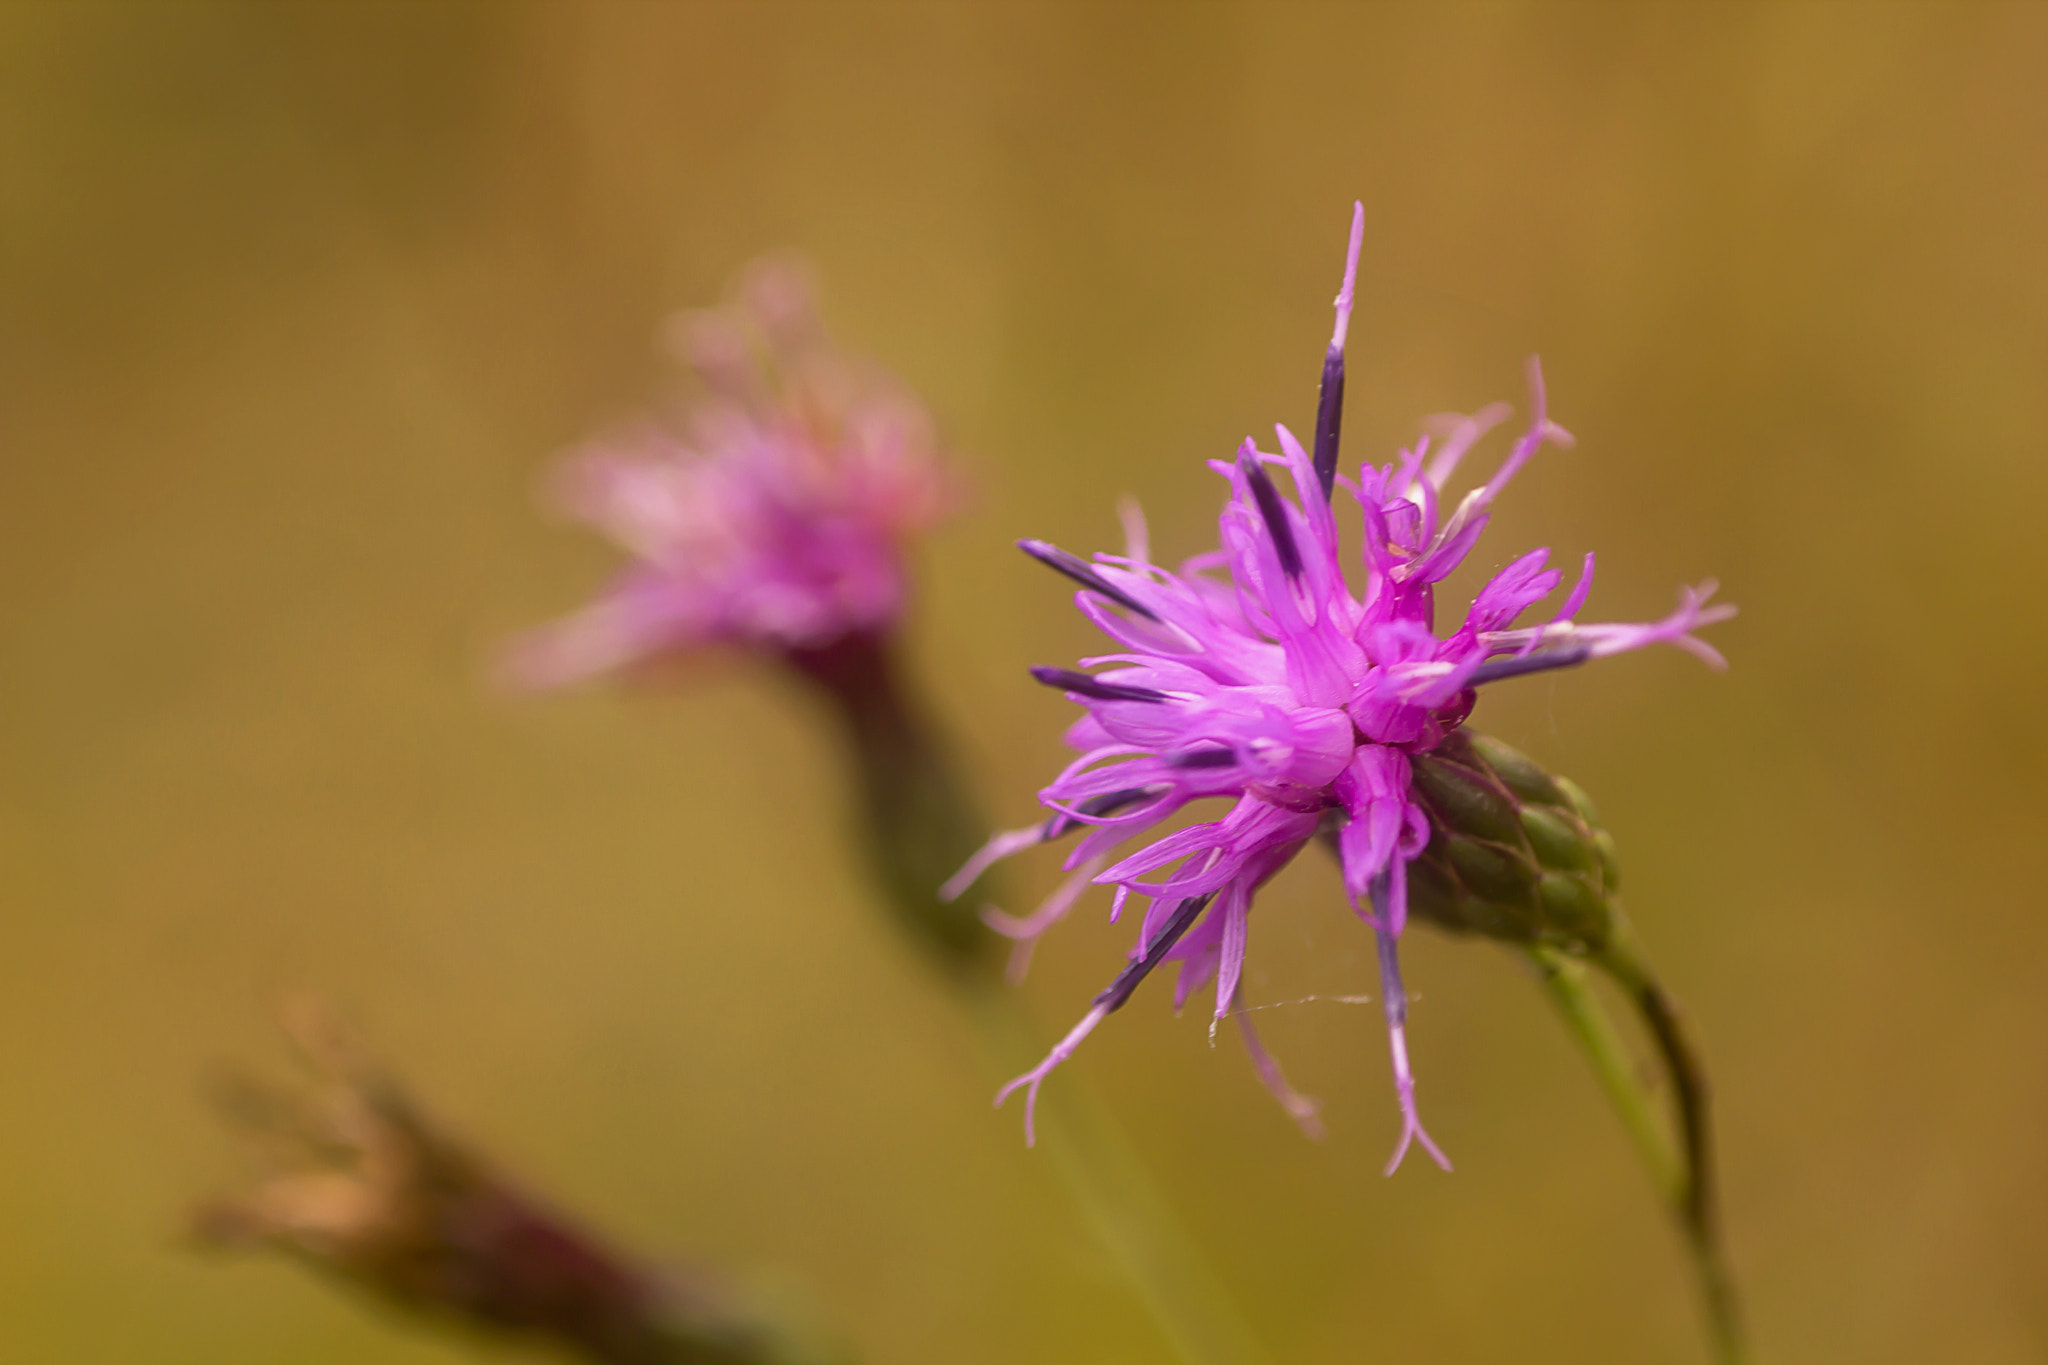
360 1185
1514 852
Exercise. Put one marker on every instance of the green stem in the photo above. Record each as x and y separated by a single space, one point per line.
1569 986
1682 1170
1626 963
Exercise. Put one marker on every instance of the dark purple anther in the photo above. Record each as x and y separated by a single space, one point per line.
1493 670
1137 969
1203 758
1109 803
1330 398
1274 512
1393 995
1183 917
1329 419
1389 896
1088 685
1059 561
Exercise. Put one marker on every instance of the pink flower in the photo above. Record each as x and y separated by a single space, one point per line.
772 517
1257 674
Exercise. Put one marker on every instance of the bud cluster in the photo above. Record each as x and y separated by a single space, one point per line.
1514 852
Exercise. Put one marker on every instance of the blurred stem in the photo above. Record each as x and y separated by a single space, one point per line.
1116 1194
1682 1170
917 826
361 1185
918 829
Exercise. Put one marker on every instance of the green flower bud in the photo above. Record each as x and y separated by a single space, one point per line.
1514 853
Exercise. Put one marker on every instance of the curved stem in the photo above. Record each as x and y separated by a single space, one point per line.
1566 981
1700 1212
1683 1169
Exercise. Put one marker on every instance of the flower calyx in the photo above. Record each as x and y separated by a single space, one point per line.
1515 853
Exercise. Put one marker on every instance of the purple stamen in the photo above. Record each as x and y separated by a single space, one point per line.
1109 1002
1059 561
1329 419
1138 968
1493 670
1330 398
1109 803
1087 685
1054 827
1577 599
1395 999
1024 930
1301 1108
1035 1077
1273 511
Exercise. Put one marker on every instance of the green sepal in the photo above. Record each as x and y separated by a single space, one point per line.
1515 853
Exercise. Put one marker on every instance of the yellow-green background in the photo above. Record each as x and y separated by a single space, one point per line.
299 301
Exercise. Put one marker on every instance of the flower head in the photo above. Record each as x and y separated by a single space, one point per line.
1260 674
771 517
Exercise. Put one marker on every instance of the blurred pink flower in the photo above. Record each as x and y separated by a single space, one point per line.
770 517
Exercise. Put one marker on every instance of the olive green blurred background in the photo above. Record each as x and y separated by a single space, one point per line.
300 302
